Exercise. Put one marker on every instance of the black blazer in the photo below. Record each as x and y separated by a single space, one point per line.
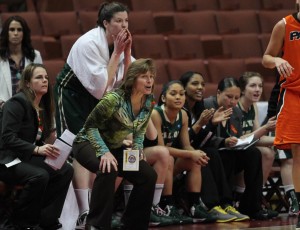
19 129
235 121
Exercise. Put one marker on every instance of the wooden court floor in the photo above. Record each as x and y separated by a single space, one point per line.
283 222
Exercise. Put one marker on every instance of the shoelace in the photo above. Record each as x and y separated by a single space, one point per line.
81 219
200 207
171 211
159 211
221 210
230 208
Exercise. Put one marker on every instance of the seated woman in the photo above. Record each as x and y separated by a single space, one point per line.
251 84
215 193
157 156
99 148
28 118
171 123
235 161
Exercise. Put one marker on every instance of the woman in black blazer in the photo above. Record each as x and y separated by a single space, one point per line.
235 161
27 121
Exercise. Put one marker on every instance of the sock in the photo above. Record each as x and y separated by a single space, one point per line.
90 194
239 189
127 191
193 198
82 197
166 200
237 195
298 195
291 195
157 193
288 188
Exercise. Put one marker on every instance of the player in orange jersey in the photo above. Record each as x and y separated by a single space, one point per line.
283 53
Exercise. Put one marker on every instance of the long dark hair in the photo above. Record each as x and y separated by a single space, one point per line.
165 89
47 103
27 48
199 105
228 82
107 11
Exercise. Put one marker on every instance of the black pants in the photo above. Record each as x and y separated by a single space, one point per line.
44 191
137 212
248 160
215 188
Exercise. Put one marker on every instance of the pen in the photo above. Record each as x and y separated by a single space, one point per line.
228 133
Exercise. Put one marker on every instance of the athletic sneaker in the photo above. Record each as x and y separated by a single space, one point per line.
271 213
116 221
199 214
293 202
80 223
298 223
294 209
260 215
264 214
221 215
116 224
239 216
158 217
176 216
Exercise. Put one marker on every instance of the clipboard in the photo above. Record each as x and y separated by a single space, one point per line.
241 147
64 144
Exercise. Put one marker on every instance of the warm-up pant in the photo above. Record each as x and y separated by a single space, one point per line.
249 160
43 194
215 187
137 213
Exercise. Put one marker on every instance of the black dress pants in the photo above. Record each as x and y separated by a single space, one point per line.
137 212
44 191
215 188
249 160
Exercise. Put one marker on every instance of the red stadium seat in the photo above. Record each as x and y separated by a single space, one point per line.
185 46
150 46
178 67
196 22
220 68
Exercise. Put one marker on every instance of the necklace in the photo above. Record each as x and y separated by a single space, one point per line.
19 69
40 126
135 124
18 75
